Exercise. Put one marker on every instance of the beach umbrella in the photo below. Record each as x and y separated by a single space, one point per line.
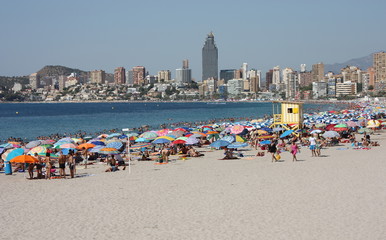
7 145
132 134
330 134
24 159
114 135
38 150
228 138
191 141
180 129
163 132
320 125
365 130
77 140
266 129
85 145
162 140
219 143
199 134
237 145
330 127
1 150
351 124
149 135
342 125
316 131
340 129
108 151
265 137
98 143
116 145
286 133
215 136
102 136
33 144
240 139
265 142
95 149
141 139
14 153
133 138
237 129
179 141
261 132
87 137
140 145
65 145
165 137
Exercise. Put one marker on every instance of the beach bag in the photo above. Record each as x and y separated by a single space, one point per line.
277 156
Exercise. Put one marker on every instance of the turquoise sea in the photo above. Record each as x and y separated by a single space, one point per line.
29 120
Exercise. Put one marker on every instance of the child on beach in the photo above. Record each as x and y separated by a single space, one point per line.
294 151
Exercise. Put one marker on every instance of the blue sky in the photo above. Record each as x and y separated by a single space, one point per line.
103 34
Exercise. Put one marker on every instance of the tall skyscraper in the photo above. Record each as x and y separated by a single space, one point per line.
34 80
164 76
120 75
209 59
245 70
379 64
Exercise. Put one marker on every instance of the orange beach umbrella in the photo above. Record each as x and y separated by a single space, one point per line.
24 159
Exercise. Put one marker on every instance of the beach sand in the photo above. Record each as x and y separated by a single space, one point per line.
340 195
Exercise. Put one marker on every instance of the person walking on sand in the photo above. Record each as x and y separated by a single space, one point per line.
272 149
39 166
294 151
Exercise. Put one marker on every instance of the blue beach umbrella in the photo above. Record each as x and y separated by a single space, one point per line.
286 133
219 143
142 140
161 140
96 148
98 143
265 142
237 145
116 145
66 151
114 135
14 153
229 139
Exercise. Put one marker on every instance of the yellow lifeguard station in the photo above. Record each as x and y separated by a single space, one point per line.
288 115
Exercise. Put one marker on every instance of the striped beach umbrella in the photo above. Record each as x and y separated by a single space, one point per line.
108 151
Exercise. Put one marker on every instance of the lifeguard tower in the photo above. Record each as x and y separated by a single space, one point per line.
288 115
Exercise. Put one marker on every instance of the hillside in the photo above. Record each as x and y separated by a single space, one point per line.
8 82
362 62
59 70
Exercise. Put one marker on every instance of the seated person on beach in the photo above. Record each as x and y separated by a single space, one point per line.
112 164
193 153
229 154
144 156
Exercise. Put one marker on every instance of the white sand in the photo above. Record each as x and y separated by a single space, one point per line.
339 196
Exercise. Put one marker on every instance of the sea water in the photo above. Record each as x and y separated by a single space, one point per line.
29 120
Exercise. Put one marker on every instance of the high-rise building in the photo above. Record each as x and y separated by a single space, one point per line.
245 70
379 64
34 80
120 75
184 74
268 79
227 74
98 76
254 84
305 79
318 72
139 74
164 76
209 59
371 72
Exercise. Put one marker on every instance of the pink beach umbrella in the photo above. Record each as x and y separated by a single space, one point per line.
163 132
237 129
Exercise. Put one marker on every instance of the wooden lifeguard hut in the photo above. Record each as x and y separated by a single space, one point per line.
288 115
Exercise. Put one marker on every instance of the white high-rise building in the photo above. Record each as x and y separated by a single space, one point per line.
286 72
245 71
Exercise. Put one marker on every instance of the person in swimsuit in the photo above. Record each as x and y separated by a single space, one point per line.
39 166
48 165
272 149
62 165
71 163
112 162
